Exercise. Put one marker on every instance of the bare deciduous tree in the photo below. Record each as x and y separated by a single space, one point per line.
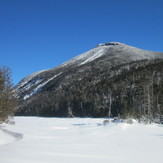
7 100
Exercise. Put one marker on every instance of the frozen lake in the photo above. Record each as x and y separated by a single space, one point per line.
80 140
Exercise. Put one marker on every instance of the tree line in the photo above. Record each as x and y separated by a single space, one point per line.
133 91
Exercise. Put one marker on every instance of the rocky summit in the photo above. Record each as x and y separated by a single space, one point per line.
112 79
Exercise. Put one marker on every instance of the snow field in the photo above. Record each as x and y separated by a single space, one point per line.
71 140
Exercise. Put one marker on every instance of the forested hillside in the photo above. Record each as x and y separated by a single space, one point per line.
117 81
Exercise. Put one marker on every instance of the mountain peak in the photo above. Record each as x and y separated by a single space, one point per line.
109 44
101 82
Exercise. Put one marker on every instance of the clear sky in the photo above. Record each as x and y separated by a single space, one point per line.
41 34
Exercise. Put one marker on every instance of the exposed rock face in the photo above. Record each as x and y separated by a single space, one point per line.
109 43
110 80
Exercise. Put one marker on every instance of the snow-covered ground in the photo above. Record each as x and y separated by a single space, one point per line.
80 140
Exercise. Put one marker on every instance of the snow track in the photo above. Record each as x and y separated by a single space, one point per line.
7 137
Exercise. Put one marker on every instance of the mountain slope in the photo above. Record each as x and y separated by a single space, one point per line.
108 80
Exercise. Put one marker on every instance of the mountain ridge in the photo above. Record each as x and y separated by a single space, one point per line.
104 62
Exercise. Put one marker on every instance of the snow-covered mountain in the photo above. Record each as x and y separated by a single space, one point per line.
124 53
89 84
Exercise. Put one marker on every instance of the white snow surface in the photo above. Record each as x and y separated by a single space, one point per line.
5 138
81 140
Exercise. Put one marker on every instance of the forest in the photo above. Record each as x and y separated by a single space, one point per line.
130 90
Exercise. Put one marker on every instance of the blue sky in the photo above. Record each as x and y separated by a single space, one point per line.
41 34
